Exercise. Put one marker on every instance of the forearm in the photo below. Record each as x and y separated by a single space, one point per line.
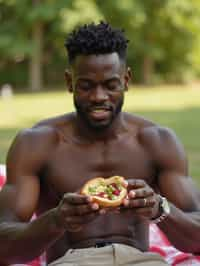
22 242
182 229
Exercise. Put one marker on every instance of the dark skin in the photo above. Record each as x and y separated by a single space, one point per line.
48 164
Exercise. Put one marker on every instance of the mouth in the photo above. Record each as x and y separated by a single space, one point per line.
100 113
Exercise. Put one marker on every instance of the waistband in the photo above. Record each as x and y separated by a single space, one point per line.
101 244
98 243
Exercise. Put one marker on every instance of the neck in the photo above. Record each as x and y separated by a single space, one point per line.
84 131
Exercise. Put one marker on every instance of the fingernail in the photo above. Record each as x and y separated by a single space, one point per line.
102 211
89 199
95 206
125 183
126 202
132 194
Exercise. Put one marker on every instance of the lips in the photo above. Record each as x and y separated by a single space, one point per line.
100 113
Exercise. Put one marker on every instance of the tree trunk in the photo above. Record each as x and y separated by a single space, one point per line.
147 70
36 82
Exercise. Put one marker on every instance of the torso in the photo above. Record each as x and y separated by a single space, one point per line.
74 161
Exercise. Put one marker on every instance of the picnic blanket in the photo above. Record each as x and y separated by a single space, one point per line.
158 243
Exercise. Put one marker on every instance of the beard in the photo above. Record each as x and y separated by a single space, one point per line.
83 110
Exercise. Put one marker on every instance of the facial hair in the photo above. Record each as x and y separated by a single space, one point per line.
82 112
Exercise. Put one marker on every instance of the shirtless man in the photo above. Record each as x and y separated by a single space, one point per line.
49 163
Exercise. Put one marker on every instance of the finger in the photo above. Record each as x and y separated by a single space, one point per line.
147 212
139 203
141 192
125 202
136 183
74 228
83 209
111 210
102 211
80 220
76 199
125 183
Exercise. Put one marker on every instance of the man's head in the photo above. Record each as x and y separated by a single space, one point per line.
98 74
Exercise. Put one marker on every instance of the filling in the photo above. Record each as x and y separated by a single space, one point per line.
107 191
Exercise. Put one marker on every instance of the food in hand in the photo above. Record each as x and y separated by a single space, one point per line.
108 192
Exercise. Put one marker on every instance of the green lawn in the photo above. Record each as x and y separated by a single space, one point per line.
174 107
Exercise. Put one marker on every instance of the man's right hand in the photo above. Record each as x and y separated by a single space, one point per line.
75 210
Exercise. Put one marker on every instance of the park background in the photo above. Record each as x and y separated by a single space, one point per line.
164 54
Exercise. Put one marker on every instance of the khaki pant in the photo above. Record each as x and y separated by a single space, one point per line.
112 255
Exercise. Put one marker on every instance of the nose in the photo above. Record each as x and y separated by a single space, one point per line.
99 95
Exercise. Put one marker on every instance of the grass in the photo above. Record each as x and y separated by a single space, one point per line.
174 107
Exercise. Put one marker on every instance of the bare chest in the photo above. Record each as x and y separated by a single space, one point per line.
70 166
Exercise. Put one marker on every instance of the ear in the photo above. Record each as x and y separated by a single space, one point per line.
127 77
68 79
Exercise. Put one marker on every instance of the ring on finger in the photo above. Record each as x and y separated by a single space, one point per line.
145 202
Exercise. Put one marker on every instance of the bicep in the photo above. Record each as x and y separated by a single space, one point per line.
18 200
19 197
26 158
171 162
180 190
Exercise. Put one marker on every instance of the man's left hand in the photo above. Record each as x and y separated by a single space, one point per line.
142 199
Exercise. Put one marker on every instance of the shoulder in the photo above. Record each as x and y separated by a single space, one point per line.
39 140
164 146
31 137
30 149
55 122
150 133
161 143
138 122
157 133
159 136
50 130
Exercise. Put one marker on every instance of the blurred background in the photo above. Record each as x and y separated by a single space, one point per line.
164 54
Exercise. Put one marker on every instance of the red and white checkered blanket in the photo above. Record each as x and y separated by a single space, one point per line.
158 243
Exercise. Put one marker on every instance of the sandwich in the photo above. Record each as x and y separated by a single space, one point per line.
107 192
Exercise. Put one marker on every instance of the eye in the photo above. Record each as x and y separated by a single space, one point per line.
113 85
83 85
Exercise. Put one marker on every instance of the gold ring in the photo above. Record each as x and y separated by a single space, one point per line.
145 202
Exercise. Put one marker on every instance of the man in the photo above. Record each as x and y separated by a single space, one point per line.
48 164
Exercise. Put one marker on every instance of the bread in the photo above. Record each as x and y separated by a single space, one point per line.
107 192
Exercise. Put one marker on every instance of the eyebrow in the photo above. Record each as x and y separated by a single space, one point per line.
117 78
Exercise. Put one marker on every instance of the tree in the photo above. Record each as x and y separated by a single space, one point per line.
23 25
162 33
164 37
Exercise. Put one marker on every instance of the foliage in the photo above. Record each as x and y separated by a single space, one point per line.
165 31
164 36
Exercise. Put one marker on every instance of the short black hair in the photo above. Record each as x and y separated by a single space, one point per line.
96 39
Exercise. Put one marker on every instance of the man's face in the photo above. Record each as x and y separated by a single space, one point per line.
98 83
